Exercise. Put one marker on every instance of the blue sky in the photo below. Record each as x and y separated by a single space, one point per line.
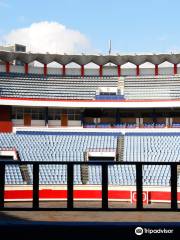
134 26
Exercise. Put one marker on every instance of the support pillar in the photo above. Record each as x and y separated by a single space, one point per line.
175 69
119 70
45 70
156 70
137 122
141 122
117 116
137 70
100 71
46 116
82 71
26 68
170 122
64 70
82 118
167 122
7 67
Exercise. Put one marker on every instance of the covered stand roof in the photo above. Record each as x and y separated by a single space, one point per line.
85 59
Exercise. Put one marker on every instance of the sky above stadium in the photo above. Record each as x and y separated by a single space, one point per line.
76 26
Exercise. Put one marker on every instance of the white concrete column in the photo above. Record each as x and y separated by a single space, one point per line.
141 124
137 122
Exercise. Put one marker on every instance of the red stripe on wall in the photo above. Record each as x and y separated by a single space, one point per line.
69 100
49 193
85 194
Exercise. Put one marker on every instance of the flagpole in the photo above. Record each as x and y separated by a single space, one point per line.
109 50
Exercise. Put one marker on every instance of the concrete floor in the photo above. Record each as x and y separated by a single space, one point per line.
87 216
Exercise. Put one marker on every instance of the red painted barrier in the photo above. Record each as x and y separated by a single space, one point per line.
61 194
121 195
144 194
86 100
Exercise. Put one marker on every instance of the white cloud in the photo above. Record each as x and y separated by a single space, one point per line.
49 37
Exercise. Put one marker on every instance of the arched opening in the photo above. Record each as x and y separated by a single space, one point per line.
36 67
54 68
128 69
4 68
91 69
73 69
147 69
166 68
110 69
18 66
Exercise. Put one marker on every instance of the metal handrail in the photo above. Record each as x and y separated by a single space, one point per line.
70 185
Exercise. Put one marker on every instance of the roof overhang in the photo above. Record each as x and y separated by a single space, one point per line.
85 59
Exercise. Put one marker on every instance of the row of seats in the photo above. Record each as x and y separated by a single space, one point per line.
59 87
159 87
51 87
127 125
69 76
71 146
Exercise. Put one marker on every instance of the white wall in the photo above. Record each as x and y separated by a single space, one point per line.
53 70
73 71
146 71
90 103
178 70
16 69
54 123
18 122
110 70
166 70
91 72
36 70
74 123
128 71
37 123
2 68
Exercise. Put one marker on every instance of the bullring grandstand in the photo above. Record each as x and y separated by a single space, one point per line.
113 132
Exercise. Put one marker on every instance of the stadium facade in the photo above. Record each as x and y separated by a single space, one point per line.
111 112
109 95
